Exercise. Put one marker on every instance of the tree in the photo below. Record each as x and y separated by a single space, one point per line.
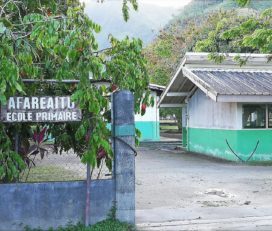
243 2
53 39
204 22
200 28
166 52
261 38
253 35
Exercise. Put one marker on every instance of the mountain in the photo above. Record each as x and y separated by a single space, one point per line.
197 8
191 25
153 16
145 23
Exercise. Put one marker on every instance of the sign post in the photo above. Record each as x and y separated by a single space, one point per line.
40 109
124 155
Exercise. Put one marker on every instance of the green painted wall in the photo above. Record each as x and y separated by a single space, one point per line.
150 130
213 142
184 137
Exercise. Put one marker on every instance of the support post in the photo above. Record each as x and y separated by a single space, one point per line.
88 188
124 156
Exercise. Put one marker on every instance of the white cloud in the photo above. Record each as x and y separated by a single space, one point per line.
161 3
166 3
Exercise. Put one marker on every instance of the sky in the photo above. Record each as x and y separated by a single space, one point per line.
162 3
177 4
145 24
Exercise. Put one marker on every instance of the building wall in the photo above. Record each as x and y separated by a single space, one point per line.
211 125
149 123
184 126
205 113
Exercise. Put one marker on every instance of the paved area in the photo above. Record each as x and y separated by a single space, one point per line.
165 136
176 190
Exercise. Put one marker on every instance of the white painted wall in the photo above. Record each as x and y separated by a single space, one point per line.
152 113
206 113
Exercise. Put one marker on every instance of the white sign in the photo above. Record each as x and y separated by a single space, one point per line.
40 109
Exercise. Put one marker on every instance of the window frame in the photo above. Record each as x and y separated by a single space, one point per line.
267 105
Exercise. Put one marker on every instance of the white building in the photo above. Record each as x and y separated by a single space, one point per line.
226 108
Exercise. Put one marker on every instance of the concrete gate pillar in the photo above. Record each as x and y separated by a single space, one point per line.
124 162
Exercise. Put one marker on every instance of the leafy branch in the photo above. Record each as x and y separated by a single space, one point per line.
52 39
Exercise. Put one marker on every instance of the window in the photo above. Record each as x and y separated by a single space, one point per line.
270 116
254 116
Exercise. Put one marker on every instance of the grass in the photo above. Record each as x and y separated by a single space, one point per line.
168 127
106 225
50 173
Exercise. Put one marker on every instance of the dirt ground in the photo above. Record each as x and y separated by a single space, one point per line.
176 189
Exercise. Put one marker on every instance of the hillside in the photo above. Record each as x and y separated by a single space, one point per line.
198 8
193 24
145 23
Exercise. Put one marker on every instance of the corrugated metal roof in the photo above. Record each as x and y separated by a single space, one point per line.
234 82
224 82
158 88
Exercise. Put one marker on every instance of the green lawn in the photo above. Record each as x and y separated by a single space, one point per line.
168 127
50 173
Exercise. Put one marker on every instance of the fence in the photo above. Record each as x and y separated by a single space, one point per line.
54 204
61 167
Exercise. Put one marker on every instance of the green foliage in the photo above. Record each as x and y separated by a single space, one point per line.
218 39
55 40
191 36
112 225
126 8
164 112
106 225
138 135
243 2
252 35
11 164
209 26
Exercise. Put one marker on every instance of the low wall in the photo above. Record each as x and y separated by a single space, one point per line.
53 204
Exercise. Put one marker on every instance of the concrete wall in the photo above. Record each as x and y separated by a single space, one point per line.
55 204
52 204
124 162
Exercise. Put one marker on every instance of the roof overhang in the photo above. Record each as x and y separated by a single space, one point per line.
157 88
177 90
185 82
245 98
